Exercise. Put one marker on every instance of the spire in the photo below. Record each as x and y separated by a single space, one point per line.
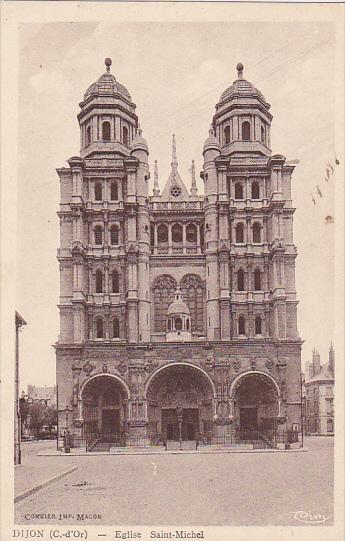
173 155
194 189
155 181
331 358
239 68
108 63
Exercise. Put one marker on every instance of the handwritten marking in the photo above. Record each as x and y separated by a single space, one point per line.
307 517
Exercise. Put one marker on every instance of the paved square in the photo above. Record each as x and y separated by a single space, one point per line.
190 489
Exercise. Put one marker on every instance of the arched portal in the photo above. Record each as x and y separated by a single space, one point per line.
256 399
104 405
179 399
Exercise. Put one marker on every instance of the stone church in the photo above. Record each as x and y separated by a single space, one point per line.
178 310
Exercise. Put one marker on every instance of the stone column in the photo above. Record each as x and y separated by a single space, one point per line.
184 240
248 235
169 238
90 325
106 279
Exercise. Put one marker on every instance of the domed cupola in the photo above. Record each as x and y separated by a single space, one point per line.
211 142
107 118
139 147
178 320
242 120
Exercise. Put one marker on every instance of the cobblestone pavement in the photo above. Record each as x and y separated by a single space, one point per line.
213 489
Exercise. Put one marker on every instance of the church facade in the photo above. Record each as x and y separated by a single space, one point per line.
178 310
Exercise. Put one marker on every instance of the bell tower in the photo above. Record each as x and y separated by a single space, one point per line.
107 119
242 120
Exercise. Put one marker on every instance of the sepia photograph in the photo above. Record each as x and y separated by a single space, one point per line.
172 218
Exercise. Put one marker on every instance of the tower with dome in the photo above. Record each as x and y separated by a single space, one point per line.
178 310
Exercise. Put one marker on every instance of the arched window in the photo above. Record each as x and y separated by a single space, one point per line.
163 290
152 235
98 235
227 135
169 324
262 134
240 280
99 281
125 135
255 190
162 234
258 325
257 280
176 233
202 237
194 296
106 131
98 191
256 232
239 233
245 131
241 325
114 235
114 191
88 136
116 328
115 282
178 324
191 233
238 191
99 328
187 324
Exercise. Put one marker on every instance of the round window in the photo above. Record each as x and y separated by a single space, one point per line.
175 190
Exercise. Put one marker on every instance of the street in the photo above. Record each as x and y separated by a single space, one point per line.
187 489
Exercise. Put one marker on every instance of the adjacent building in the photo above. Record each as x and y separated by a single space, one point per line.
45 395
178 310
319 396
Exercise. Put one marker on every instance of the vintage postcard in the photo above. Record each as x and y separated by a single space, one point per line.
172 264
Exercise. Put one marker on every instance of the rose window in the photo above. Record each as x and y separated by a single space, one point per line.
175 190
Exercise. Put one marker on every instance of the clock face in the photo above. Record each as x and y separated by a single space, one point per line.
175 190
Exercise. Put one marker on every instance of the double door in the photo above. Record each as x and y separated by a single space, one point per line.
189 425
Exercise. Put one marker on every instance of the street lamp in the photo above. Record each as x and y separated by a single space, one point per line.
67 443
179 410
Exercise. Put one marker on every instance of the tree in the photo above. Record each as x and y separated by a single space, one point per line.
37 417
50 417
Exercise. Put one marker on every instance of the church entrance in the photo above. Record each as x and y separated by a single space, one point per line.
256 403
104 406
180 402
187 428
110 421
249 418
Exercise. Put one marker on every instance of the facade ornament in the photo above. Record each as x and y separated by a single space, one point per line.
253 364
236 364
150 366
122 368
105 368
88 368
269 364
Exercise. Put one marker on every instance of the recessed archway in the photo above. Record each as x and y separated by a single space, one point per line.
104 404
179 398
256 397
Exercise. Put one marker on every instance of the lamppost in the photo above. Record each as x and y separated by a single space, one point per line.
67 434
179 410
17 421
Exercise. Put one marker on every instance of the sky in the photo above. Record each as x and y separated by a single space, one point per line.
175 73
